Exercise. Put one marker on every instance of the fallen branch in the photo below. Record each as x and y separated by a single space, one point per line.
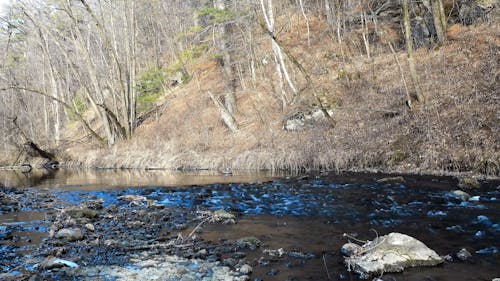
226 116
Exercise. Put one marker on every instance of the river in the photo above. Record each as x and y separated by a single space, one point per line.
307 215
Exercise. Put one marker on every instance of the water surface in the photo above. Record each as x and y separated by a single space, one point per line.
309 215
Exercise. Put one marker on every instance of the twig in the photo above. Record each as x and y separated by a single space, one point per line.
326 268
354 238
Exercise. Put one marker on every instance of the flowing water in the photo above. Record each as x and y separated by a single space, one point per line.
305 215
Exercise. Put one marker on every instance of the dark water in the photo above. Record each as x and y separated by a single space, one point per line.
310 214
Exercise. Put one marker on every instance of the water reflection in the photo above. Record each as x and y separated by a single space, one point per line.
90 179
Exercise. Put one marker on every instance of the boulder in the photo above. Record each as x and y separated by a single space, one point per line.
304 120
70 234
391 253
461 194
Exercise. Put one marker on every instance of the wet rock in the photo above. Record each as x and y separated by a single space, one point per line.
90 227
463 255
300 255
392 253
70 234
223 216
8 203
468 183
275 253
249 242
487 251
448 258
398 179
350 249
97 204
246 269
202 253
78 213
464 196
133 199
229 262
238 255
51 263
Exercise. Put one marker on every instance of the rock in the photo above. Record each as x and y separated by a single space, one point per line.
229 262
305 120
495 279
222 215
398 179
350 249
463 255
300 255
51 263
70 234
202 253
133 199
250 242
275 253
246 269
90 227
392 253
97 204
77 213
461 194
8 203
468 183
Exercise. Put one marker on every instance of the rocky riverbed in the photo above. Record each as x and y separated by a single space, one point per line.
286 229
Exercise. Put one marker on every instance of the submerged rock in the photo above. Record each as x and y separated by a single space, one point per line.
392 253
250 242
70 234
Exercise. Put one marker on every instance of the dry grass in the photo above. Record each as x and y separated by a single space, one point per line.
457 130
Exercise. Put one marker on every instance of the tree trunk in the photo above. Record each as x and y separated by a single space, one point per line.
279 60
226 33
439 20
409 48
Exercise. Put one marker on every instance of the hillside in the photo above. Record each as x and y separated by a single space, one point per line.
457 130
312 86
